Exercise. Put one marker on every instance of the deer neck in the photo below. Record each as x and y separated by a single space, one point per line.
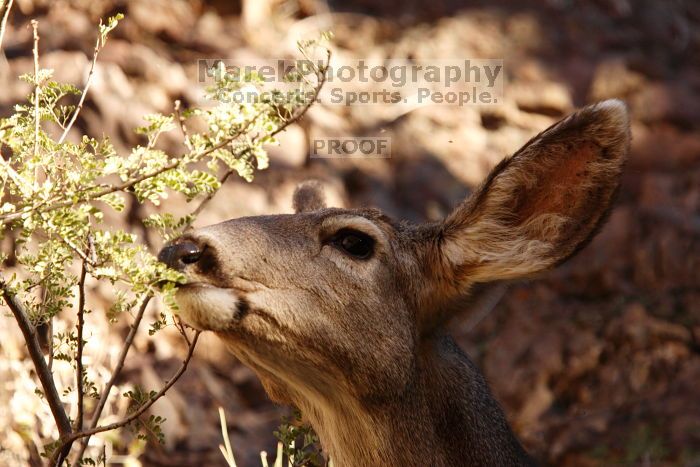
446 416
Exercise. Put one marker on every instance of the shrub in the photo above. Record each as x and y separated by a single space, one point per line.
56 190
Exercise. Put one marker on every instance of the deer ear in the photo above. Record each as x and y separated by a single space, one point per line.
308 197
540 206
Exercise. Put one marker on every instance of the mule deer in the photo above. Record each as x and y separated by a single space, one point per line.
341 312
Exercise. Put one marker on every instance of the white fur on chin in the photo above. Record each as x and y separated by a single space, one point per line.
207 308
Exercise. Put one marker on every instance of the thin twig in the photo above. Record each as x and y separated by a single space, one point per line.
3 25
77 251
321 74
180 326
14 176
83 95
143 408
206 200
115 374
181 123
49 331
37 87
49 338
42 370
79 353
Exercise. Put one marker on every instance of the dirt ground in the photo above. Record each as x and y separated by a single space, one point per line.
595 363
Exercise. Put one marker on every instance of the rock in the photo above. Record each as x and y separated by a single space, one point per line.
221 34
613 79
68 28
154 96
110 82
174 19
664 146
541 97
69 67
137 60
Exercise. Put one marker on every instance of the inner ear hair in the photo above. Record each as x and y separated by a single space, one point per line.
540 206
308 197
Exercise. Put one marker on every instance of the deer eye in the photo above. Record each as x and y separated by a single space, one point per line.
353 243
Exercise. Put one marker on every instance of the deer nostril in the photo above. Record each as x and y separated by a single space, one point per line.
191 258
180 254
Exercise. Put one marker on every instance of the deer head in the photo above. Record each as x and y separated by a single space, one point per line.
340 311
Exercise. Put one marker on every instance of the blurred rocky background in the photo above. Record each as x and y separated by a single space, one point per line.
597 362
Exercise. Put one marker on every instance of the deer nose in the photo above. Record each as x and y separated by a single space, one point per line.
180 254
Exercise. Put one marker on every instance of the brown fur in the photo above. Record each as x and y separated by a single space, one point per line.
357 344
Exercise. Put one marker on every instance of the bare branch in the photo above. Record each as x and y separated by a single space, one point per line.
321 76
79 372
81 102
181 329
50 340
42 370
49 337
37 87
3 25
87 261
181 123
207 199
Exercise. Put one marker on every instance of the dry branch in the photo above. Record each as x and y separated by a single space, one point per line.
6 15
45 377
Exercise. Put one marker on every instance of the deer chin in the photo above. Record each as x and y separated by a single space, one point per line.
209 308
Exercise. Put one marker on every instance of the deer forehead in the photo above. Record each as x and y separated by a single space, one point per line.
287 243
